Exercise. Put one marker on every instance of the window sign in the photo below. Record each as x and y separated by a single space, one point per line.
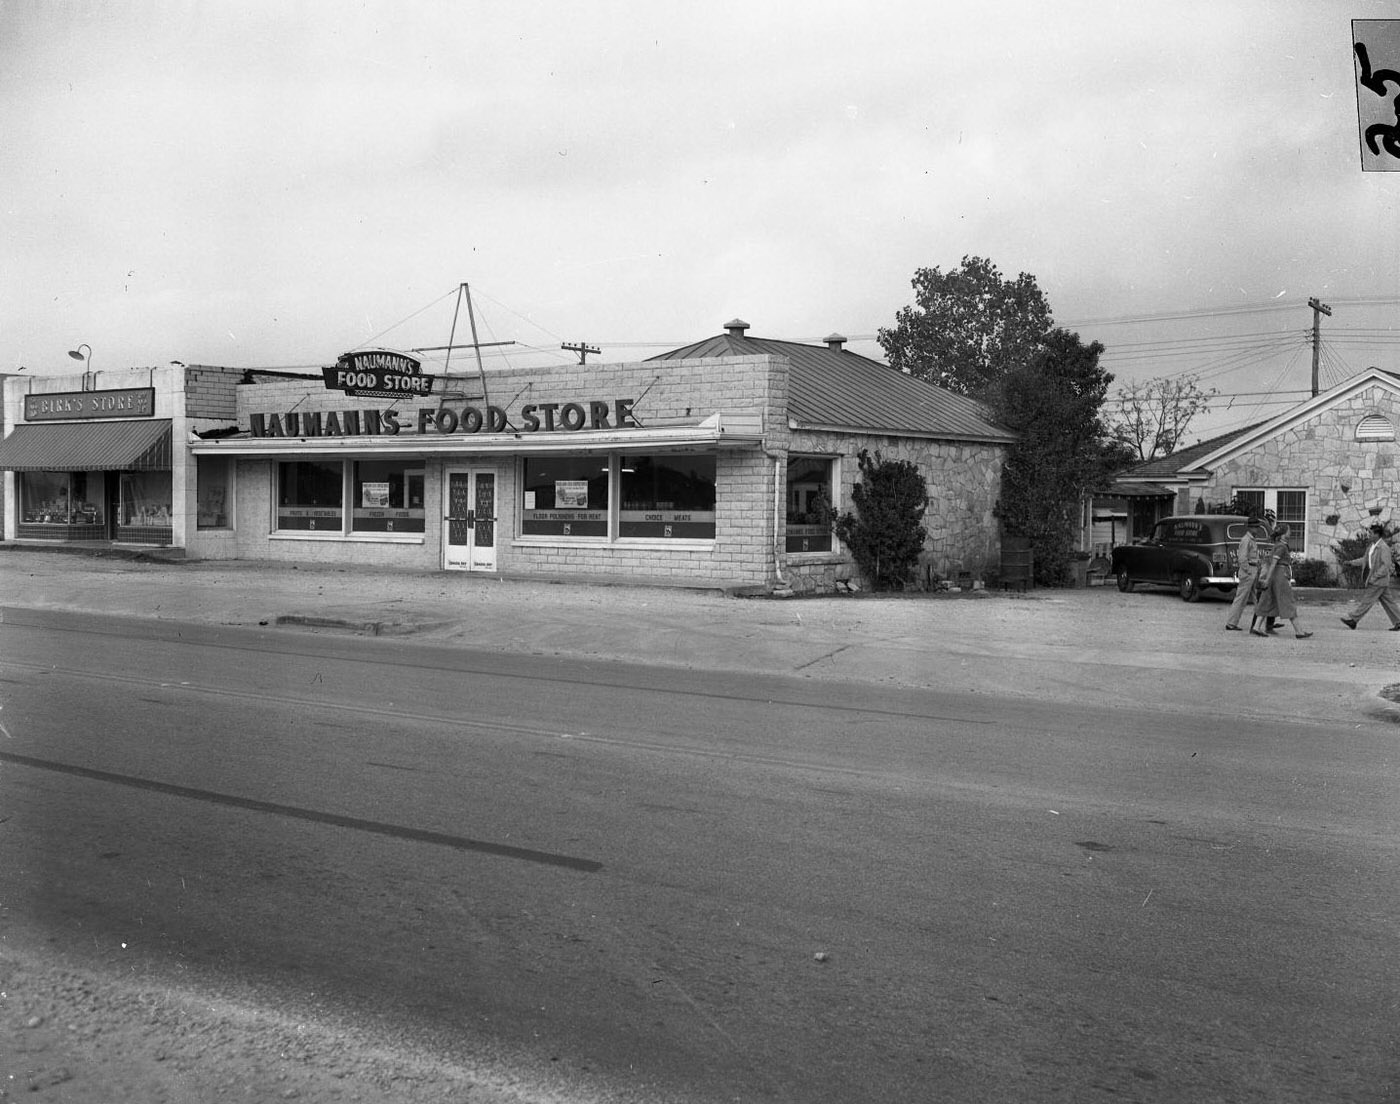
374 494
571 494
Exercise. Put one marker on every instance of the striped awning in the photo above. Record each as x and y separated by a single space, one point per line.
88 446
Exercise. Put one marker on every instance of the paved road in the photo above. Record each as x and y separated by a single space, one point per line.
1015 899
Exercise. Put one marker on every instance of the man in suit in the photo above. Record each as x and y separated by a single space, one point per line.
1380 570
1246 574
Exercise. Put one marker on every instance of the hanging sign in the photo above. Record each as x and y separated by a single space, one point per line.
378 372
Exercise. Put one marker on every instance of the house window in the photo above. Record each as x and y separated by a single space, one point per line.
810 496
1375 427
667 497
565 496
1289 507
212 483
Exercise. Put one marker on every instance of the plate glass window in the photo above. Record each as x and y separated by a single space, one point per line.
387 497
310 496
565 496
213 480
667 496
809 501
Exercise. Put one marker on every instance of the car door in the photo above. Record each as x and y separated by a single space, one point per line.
1156 561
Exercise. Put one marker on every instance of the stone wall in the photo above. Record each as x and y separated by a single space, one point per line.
1343 476
963 481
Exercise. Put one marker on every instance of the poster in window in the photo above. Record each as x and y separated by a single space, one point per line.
375 495
571 494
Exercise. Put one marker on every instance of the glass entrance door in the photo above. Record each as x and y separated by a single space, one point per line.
469 520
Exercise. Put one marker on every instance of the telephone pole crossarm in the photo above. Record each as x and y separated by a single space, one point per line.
582 350
1319 308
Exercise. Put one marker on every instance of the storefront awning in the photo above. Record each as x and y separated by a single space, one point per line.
88 446
716 431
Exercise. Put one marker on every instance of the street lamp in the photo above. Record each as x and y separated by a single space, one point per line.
77 354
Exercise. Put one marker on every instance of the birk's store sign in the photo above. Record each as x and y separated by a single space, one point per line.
128 402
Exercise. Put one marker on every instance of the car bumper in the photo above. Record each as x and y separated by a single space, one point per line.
1218 580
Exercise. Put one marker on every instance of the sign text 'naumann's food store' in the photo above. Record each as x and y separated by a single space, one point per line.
533 418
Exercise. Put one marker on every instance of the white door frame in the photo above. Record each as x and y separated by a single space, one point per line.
468 525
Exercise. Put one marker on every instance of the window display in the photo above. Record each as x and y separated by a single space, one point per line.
63 505
143 509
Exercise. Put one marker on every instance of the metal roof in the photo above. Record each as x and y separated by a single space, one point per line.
833 388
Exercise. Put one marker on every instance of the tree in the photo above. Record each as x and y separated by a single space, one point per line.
1062 450
969 327
1153 416
885 533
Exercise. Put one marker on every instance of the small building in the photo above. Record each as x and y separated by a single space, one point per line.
706 466
102 458
1327 467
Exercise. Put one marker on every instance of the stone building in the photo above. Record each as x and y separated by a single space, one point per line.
708 466
1327 467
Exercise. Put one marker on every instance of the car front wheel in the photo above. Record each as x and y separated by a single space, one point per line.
1190 589
1125 584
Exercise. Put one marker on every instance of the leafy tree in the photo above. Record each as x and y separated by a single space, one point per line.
1153 416
885 533
969 327
1063 449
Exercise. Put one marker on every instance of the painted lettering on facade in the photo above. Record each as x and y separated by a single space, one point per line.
532 418
128 402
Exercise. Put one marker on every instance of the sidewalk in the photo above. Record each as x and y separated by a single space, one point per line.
1146 650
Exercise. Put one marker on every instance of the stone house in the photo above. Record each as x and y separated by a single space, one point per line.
1326 467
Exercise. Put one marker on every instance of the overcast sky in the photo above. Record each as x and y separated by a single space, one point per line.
274 183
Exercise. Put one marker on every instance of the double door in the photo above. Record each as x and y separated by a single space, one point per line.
469 519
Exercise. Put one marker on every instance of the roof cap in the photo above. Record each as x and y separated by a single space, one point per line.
735 327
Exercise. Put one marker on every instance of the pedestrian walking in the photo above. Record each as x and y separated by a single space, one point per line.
1275 590
1379 572
1246 574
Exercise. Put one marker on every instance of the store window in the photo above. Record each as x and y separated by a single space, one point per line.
143 507
62 505
213 492
310 496
565 496
667 497
387 497
810 499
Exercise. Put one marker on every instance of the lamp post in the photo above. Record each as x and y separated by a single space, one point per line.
77 354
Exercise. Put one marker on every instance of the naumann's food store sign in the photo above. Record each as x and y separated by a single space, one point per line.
378 372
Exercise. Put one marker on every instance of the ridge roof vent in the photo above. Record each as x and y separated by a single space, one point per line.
835 341
735 327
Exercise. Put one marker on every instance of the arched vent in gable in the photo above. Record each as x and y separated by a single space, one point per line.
1375 427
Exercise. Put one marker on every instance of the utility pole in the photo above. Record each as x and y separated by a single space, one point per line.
1318 309
582 350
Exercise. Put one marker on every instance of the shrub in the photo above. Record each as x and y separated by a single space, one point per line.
885 533
1313 573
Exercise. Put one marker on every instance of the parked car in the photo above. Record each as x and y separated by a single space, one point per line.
1189 553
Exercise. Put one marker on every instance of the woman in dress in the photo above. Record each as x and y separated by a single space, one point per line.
1275 585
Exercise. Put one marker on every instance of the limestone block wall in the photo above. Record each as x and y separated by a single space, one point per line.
1343 476
963 481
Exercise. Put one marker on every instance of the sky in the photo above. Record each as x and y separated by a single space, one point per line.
275 182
